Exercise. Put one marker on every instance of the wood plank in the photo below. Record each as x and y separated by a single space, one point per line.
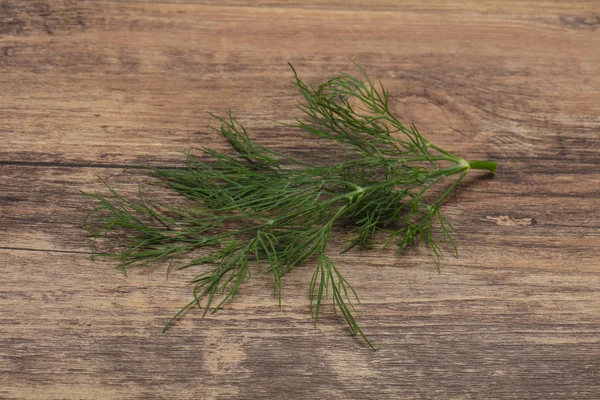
78 328
43 208
82 95
515 8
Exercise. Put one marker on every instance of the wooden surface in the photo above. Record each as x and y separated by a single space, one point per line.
88 87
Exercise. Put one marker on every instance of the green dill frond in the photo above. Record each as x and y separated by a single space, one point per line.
258 209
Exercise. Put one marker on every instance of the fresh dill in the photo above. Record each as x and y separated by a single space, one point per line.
256 206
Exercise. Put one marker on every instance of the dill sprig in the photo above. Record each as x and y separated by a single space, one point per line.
259 207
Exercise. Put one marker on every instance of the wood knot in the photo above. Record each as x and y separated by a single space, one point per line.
505 220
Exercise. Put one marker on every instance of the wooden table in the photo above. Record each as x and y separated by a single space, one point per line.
90 87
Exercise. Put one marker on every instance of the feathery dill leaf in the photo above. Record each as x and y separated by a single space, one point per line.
283 209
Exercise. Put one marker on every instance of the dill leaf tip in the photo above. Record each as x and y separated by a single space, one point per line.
259 207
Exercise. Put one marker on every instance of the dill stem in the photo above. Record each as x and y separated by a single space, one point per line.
485 165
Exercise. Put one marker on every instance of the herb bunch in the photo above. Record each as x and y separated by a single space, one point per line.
259 207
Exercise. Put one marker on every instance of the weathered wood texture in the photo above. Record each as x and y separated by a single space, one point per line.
87 87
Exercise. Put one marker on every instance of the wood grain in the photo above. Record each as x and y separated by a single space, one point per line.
90 87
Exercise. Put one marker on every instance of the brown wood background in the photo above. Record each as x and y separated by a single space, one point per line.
88 87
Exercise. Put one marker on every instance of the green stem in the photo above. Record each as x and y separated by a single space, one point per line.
487 165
